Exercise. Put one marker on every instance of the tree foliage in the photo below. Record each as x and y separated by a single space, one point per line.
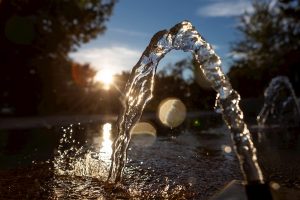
270 46
36 37
179 80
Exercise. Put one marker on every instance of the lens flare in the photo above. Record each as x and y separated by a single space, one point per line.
226 149
275 185
172 112
105 77
143 134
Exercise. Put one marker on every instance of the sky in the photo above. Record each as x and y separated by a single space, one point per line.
134 22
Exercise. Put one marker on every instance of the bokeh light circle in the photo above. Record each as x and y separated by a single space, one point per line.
201 79
172 112
143 134
226 149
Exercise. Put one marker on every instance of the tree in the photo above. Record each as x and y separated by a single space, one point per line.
269 46
179 80
36 37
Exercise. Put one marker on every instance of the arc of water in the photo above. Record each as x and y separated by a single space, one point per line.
272 98
183 36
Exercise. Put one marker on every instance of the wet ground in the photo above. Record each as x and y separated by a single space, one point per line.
185 163
278 151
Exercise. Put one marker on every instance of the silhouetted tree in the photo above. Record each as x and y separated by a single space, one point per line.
179 80
36 37
269 46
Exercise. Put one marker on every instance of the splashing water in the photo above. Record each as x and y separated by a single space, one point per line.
75 159
139 88
280 102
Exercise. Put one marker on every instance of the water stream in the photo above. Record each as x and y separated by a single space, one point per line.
140 85
280 102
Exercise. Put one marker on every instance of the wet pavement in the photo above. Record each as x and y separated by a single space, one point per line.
179 164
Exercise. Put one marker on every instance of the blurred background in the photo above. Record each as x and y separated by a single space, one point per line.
74 57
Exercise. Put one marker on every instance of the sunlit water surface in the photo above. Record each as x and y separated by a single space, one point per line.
179 164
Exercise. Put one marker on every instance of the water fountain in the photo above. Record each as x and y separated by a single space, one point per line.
280 103
140 85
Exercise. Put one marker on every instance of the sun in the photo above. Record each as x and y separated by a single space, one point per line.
105 77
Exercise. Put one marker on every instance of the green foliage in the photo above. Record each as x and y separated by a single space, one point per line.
269 46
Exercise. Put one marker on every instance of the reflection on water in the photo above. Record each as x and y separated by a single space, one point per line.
187 164
106 148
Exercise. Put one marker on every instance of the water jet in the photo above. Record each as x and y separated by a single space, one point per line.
183 36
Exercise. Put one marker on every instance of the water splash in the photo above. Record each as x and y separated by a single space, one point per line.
139 88
76 159
280 102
